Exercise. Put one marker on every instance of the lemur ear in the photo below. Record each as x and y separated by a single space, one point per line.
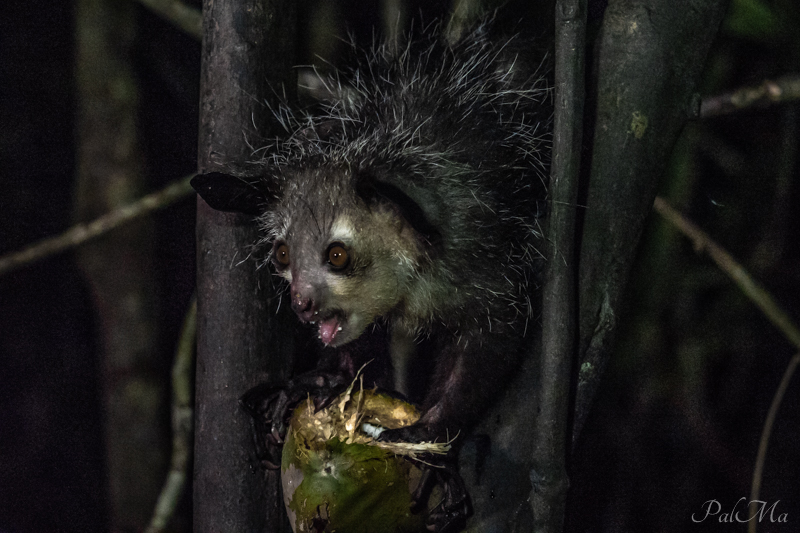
224 192
406 204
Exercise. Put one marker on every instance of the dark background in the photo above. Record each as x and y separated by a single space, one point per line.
680 412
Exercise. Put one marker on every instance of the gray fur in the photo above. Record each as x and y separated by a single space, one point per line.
462 132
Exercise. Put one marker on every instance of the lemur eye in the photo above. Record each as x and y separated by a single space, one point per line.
338 257
281 255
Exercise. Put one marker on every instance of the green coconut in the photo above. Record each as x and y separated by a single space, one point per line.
337 478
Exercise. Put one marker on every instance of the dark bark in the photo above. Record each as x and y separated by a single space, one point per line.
248 52
119 267
650 54
551 421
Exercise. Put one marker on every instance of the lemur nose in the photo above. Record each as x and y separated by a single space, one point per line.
304 307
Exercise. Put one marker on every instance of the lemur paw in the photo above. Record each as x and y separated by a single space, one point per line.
270 406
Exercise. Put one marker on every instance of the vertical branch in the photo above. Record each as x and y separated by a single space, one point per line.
248 52
119 267
548 475
182 424
650 56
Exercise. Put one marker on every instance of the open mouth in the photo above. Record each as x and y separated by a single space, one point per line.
329 327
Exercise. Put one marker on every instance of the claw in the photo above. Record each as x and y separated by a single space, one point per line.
321 402
421 494
269 465
270 407
272 440
443 520
450 516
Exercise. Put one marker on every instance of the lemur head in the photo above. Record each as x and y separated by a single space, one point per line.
347 243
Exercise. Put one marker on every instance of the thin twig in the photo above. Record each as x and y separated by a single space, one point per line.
81 233
785 89
751 288
182 417
186 18
758 471
768 306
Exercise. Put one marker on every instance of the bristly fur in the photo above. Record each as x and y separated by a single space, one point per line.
412 200
463 131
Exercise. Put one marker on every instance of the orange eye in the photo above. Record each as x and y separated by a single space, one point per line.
337 256
281 254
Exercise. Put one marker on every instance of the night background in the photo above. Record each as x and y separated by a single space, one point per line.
680 412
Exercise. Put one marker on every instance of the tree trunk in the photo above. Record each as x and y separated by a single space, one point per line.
119 266
248 52
649 57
